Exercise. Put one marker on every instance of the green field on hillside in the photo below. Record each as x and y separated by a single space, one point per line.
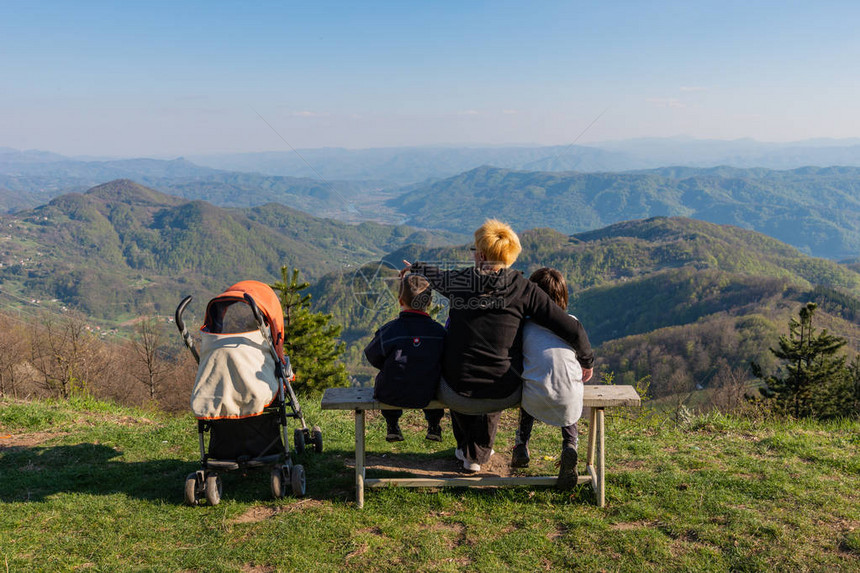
86 485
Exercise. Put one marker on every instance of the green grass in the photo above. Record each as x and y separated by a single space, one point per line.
93 486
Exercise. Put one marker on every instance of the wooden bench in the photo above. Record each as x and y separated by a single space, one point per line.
598 398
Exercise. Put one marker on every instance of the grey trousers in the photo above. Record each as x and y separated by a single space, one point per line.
474 421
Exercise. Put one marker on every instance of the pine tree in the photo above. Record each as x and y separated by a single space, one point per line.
847 394
814 374
310 340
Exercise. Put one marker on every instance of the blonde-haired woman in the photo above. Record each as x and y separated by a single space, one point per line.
482 363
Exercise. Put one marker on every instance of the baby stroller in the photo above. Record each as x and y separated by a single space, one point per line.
241 393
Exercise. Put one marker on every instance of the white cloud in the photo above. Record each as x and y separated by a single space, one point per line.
307 113
469 112
693 89
666 102
747 117
510 111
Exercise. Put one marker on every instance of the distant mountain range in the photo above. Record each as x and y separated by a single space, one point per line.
414 164
123 248
30 179
403 165
814 209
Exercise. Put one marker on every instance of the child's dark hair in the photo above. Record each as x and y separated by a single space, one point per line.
415 292
552 283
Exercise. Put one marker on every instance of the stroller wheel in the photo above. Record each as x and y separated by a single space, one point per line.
213 489
191 489
299 440
279 478
317 438
297 480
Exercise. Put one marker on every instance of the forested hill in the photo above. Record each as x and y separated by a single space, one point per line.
339 199
671 297
814 209
123 248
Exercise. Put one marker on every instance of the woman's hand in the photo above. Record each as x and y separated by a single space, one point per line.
587 373
406 267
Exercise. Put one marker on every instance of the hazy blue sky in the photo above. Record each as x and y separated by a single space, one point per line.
174 78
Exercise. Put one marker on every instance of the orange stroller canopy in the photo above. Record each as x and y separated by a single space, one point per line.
267 301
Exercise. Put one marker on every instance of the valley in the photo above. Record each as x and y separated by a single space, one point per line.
678 273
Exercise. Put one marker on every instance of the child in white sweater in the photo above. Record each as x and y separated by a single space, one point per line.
552 383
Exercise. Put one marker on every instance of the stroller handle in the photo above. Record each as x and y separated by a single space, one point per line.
180 324
256 310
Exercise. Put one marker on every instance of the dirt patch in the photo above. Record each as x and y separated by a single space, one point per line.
454 533
498 465
91 418
630 525
357 552
844 525
559 532
257 514
685 544
629 465
27 440
261 513
459 537
248 568
441 514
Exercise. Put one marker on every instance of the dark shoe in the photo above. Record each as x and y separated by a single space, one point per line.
434 433
520 458
394 434
567 476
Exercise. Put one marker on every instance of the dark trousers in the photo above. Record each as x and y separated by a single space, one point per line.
432 415
569 434
475 434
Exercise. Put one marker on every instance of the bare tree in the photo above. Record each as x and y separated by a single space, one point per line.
176 391
153 367
114 380
66 354
730 388
12 349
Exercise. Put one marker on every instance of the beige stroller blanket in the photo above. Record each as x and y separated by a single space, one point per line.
236 376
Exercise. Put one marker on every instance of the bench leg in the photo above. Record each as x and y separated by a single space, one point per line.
359 458
595 462
601 465
592 439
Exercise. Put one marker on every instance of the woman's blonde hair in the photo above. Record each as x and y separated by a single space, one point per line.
498 242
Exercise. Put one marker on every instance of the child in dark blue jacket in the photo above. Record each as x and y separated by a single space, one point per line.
408 353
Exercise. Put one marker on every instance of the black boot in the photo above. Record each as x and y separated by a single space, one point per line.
567 476
520 456
394 434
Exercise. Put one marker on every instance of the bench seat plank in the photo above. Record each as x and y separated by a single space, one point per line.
594 396
483 481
